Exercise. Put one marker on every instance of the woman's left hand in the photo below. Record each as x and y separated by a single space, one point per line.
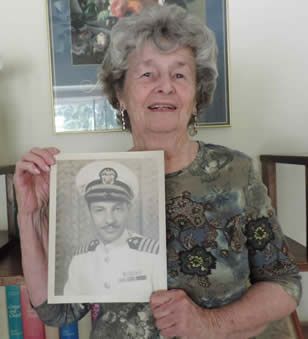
176 315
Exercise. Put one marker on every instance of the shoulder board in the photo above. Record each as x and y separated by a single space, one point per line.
88 247
143 244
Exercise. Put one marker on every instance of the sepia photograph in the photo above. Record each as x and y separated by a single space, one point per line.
107 227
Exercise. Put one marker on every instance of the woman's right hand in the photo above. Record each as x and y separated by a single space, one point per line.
31 179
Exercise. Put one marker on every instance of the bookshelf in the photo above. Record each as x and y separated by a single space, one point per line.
10 265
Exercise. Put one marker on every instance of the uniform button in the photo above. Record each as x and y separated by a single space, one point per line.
106 285
107 259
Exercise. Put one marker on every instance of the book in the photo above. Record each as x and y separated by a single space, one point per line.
84 326
14 311
69 331
51 332
33 327
95 309
4 327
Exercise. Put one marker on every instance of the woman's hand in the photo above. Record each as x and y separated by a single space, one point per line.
31 179
176 315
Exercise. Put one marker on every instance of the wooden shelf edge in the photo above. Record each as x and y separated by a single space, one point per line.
13 280
9 169
299 253
304 326
10 265
285 159
303 266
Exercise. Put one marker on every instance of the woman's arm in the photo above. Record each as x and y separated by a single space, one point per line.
34 246
33 229
177 315
263 303
31 181
275 290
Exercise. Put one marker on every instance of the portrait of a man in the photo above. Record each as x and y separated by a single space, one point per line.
115 256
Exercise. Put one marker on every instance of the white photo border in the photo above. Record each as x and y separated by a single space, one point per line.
158 158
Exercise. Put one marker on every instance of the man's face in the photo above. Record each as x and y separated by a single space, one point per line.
109 218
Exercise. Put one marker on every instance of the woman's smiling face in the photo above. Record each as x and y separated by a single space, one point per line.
159 90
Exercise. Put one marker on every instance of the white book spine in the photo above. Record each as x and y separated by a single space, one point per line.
85 326
51 332
4 329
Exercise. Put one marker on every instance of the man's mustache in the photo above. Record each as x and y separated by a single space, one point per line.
111 225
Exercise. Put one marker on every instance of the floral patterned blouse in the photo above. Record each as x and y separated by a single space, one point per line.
222 236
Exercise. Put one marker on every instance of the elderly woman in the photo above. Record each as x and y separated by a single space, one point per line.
229 272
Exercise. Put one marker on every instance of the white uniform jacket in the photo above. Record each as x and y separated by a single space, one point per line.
119 270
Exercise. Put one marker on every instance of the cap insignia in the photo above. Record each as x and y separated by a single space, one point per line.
108 176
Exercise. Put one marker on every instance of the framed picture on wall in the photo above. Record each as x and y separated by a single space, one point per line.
79 35
107 227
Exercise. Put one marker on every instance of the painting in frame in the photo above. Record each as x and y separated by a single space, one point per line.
79 32
107 227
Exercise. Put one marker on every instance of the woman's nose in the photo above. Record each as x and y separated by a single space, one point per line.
165 85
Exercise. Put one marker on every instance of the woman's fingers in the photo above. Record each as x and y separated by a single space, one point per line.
48 154
26 166
165 321
37 160
160 297
42 157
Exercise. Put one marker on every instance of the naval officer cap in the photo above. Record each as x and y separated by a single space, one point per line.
107 181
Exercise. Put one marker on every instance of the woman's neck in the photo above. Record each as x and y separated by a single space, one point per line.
181 157
178 152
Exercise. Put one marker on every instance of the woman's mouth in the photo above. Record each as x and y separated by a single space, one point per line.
162 107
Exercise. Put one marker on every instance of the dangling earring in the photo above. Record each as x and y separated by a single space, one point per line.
193 125
122 112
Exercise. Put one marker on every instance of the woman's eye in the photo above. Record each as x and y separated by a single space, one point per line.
179 75
146 74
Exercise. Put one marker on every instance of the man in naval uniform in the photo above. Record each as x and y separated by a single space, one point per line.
119 265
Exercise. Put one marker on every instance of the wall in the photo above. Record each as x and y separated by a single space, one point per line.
268 81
